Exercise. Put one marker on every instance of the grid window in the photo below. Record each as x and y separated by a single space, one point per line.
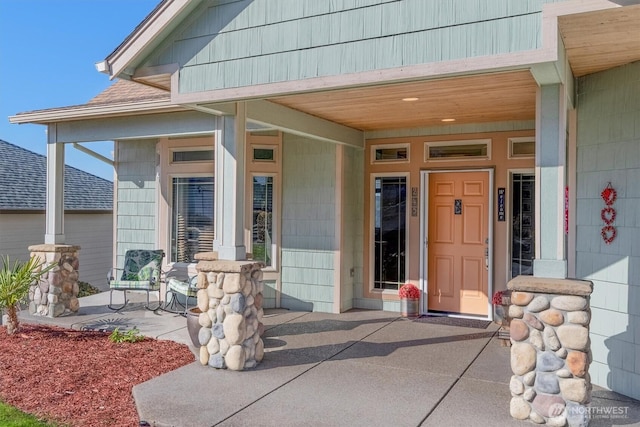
390 232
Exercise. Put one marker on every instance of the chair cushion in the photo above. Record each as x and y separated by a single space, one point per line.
181 287
143 285
144 265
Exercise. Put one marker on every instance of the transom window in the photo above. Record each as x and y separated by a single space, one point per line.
192 156
457 150
390 233
390 153
522 147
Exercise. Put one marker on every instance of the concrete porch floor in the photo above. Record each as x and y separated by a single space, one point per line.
360 368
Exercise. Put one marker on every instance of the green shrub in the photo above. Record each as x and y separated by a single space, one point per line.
15 281
87 289
132 335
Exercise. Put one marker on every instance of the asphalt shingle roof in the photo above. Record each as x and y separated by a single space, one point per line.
127 91
23 177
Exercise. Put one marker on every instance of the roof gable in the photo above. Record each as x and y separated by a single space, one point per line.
23 176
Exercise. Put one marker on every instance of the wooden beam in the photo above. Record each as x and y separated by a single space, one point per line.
303 124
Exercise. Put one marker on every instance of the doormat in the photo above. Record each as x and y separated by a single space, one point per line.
454 321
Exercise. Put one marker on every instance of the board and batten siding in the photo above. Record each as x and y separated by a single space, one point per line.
93 232
136 196
308 224
608 151
252 42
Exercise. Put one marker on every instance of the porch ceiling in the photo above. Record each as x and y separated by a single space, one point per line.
596 41
469 99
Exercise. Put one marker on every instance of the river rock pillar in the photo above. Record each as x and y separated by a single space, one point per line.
550 351
56 293
230 302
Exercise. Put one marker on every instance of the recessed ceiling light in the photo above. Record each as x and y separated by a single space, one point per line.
448 120
410 99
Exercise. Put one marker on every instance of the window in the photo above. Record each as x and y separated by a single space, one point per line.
390 153
264 154
390 237
262 223
523 226
192 156
457 150
522 148
191 217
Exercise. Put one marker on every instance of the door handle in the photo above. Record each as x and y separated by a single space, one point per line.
486 258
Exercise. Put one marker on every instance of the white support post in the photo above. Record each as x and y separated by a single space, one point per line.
54 231
229 185
551 153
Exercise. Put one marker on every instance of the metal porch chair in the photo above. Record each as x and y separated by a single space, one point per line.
141 272
187 289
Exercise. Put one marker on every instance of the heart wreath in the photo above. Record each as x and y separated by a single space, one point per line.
608 234
609 195
608 215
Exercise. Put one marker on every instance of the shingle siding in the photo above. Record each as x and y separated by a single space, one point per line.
608 151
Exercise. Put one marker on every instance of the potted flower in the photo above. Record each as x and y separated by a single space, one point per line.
501 301
409 300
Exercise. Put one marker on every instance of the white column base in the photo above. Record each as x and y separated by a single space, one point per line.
550 268
232 253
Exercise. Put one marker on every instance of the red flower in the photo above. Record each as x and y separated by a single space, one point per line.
409 290
497 298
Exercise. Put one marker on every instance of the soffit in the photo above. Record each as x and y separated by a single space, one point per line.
507 96
599 40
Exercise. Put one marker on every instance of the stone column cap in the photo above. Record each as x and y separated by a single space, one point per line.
48 247
547 285
228 266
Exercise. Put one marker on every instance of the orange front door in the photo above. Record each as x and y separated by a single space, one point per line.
458 236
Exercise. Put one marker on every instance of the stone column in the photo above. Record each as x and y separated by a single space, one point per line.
230 301
57 293
551 350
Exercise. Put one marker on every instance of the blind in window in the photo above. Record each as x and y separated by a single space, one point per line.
192 217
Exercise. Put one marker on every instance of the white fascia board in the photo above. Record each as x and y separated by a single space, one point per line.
144 35
293 121
92 111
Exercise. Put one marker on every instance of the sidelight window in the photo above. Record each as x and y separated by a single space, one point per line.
390 232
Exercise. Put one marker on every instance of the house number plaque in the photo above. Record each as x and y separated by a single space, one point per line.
501 210
414 201
457 207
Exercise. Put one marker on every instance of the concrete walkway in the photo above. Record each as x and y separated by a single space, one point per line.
361 368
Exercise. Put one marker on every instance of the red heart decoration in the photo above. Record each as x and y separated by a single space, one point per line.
609 195
608 215
608 234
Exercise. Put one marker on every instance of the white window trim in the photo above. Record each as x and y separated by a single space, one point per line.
428 144
375 147
372 234
510 154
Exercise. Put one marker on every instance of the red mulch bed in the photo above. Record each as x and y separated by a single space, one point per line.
80 378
